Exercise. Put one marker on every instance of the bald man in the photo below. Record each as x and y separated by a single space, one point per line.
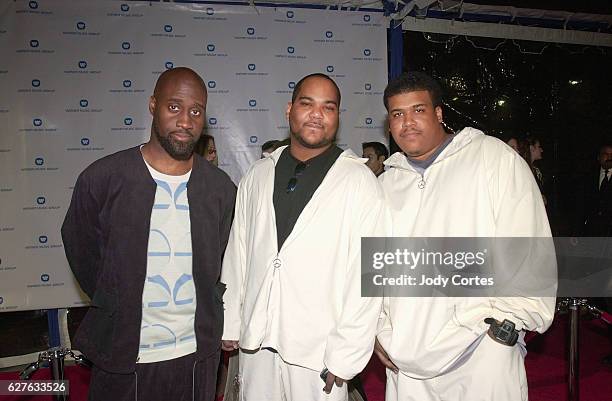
144 236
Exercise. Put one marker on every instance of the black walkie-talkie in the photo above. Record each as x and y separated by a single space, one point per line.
504 332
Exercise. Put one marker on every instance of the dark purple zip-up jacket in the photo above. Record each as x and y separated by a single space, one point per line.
106 234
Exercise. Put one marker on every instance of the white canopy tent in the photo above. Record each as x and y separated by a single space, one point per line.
461 18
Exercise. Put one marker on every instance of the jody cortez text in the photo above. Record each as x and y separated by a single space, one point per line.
436 281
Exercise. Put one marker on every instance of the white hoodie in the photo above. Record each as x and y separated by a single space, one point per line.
304 300
477 187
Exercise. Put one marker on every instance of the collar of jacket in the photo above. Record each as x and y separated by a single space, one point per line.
197 169
348 153
461 140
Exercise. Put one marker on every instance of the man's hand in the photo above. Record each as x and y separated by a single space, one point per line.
329 382
229 345
384 358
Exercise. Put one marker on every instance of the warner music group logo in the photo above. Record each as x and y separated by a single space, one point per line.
83 107
332 72
124 10
288 17
86 145
34 7
251 69
81 67
40 202
328 37
366 20
5 304
368 90
79 28
290 53
250 34
39 164
167 32
253 107
369 123
36 86
127 86
168 65
45 279
288 89
209 14
215 87
35 46
214 124
253 141
38 126
367 55
210 50
42 242
128 126
3 264
125 49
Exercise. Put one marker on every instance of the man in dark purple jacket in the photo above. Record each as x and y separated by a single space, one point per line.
144 237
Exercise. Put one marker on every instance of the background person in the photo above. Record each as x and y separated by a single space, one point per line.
513 142
268 147
207 149
376 153
532 153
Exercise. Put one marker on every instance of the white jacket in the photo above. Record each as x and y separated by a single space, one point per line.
304 300
477 187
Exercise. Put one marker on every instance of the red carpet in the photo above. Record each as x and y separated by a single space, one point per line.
546 368
546 363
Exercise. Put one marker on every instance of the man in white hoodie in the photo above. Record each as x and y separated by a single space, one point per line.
293 304
461 185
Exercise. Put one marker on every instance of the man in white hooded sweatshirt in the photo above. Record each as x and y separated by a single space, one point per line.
462 185
292 266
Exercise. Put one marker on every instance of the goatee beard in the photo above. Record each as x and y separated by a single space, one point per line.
176 149
324 142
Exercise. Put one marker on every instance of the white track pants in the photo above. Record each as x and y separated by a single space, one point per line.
264 376
494 372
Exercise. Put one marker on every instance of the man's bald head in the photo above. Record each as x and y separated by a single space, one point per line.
178 73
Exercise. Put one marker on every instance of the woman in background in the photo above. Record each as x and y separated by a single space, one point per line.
531 150
513 142
207 149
